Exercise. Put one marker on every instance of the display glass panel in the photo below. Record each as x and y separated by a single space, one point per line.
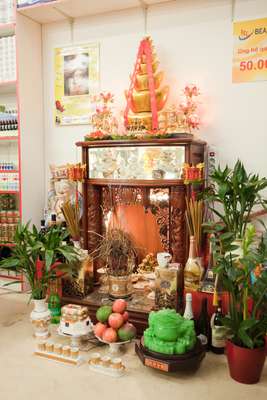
144 162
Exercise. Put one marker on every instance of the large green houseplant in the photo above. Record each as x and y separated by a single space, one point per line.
233 197
247 317
39 256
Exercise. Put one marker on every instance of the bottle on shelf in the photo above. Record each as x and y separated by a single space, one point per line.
193 269
203 325
53 221
43 228
218 331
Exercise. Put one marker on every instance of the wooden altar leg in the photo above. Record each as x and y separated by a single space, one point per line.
85 199
178 241
177 224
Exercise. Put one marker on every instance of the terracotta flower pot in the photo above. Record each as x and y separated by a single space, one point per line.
245 365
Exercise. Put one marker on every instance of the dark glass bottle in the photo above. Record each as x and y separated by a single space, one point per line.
53 221
65 232
43 228
218 331
203 325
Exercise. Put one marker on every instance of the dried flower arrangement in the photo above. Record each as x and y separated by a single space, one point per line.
117 250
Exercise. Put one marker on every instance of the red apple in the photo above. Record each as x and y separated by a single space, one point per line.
115 320
119 306
125 316
99 329
110 335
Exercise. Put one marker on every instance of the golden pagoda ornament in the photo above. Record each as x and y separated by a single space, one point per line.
145 97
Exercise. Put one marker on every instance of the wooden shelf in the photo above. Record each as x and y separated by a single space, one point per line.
136 182
181 139
7 245
7 29
9 138
3 171
9 192
8 87
59 10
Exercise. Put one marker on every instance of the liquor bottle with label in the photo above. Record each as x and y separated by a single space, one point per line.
193 269
54 303
208 284
203 325
218 331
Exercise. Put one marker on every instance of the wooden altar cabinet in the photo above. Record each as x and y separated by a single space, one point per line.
106 187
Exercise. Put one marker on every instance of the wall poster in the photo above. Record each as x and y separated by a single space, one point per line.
250 50
76 80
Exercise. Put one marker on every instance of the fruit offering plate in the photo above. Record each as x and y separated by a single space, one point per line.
189 361
114 347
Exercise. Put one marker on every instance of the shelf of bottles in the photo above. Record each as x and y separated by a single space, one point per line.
9 174
6 12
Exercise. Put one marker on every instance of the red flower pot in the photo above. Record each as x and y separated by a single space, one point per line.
245 365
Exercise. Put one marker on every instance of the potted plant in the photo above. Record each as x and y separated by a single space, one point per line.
247 317
118 253
38 256
233 196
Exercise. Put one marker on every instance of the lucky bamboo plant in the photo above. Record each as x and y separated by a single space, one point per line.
39 256
247 317
233 197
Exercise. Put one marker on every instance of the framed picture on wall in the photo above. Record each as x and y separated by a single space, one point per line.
76 80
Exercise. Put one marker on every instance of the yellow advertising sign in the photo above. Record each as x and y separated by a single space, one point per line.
250 51
76 80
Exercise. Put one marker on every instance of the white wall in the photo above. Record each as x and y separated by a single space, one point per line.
193 39
29 43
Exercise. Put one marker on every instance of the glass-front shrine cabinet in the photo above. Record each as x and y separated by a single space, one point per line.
138 186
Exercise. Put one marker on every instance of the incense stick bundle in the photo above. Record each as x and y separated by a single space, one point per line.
194 219
71 215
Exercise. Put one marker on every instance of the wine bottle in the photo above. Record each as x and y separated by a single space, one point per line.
65 232
43 228
188 312
53 221
203 325
208 283
192 270
218 331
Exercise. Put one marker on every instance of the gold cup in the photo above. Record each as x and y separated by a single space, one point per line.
41 346
105 361
95 358
58 349
66 351
49 346
74 352
116 363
